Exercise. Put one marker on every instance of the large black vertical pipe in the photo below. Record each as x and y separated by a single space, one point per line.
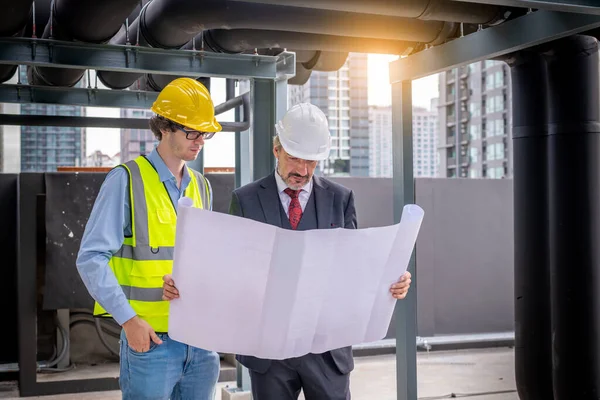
533 362
574 204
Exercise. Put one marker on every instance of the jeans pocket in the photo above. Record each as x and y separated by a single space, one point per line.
139 353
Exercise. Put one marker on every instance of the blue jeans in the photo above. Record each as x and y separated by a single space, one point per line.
172 370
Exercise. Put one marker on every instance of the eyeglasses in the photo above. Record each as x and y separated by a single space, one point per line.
193 135
189 135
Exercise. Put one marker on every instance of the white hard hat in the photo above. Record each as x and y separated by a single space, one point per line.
304 132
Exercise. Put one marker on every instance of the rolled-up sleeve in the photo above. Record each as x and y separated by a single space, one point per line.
109 222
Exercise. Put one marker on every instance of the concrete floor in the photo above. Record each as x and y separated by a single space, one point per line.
483 374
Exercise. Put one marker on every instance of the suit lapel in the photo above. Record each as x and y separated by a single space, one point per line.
324 203
269 201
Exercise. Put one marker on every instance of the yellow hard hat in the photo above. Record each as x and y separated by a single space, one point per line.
187 102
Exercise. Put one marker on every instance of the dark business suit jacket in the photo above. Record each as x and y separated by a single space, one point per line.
334 204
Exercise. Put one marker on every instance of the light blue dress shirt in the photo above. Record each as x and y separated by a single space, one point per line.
109 222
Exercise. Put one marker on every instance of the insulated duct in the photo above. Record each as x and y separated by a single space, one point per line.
158 82
231 41
14 19
433 10
173 23
328 58
301 77
240 40
574 215
533 338
93 21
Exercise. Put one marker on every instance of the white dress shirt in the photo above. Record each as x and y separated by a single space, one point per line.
303 196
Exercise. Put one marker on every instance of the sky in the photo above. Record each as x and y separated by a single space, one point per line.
218 151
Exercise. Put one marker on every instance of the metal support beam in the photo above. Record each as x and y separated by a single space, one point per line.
405 313
139 59
94 97
76 96
523 32
94 122
577 6
264 109
31 190
243 146
230 103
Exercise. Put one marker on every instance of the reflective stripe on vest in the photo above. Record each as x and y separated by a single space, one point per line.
146 256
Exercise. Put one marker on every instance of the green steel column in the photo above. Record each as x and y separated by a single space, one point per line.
269 103
405 313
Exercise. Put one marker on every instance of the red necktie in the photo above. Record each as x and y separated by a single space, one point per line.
295 210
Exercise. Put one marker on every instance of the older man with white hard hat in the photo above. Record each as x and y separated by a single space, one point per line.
292 198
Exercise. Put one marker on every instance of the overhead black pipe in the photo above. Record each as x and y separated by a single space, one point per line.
168 23
14 17
158 82
574 205
435 10
93 21
533 339
302 75
240 40
136 11
263 42
173 23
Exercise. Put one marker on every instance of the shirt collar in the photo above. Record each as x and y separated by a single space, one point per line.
281 186
164 173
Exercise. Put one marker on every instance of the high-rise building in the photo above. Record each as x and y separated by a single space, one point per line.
475 117
136 142
424 141
10 142
380 141
342 95
45 148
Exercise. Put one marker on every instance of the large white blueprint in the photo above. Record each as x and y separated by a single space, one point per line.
255 289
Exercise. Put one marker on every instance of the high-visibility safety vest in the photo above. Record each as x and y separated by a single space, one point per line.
146 256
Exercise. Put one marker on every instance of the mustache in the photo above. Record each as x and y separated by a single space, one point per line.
297 175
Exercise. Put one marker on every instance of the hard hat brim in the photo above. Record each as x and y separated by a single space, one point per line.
320 156
213 126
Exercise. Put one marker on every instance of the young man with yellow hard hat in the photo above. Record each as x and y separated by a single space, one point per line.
128 243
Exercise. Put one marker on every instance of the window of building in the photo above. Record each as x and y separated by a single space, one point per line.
499 103
499 78
490 82
474 154
489 105
474 109
474 132
499 127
